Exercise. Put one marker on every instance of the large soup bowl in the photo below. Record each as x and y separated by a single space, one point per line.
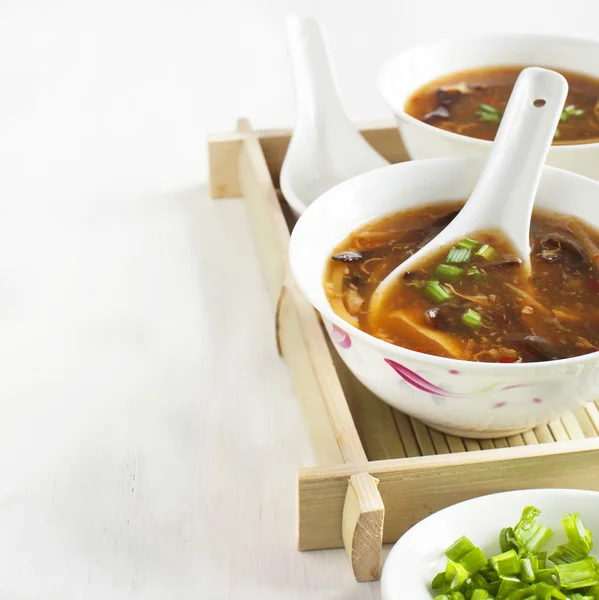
472 399
411 69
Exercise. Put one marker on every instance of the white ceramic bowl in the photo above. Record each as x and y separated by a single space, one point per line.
418 555
460 397
411 69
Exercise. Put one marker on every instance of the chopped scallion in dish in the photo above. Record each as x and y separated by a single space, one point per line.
522 571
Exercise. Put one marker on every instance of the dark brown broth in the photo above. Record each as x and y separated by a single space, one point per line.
492 86
558 319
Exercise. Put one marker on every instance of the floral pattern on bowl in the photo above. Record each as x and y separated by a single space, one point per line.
424 385
340 338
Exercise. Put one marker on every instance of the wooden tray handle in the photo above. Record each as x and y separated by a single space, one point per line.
362 526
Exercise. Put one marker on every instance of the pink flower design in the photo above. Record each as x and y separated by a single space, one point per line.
423 385
419 382
341 338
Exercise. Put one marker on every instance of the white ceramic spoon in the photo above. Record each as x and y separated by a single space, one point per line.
325 148
504 195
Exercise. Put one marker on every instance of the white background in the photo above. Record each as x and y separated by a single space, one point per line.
149 437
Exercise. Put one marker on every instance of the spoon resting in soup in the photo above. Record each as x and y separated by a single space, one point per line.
472 300
472 103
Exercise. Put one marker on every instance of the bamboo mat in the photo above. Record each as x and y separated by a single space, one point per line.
388 433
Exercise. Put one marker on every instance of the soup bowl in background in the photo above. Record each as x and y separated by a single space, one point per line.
410 70
472 399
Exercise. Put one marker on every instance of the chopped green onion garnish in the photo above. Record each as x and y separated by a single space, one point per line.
475 274
472 319
507 539
488 109
578 113
448 272
579 537
477 581
577 575
458 255
455 576
545 591
438 581
520 572
486 116
556 135
488 574
468 243
547 576
459 548
488 113
593 591
529 534
567 553
527 572
494 587
508 586
437 292
507 563
474 561
524 593
485 251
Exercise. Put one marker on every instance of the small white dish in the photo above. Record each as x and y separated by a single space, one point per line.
419 554
409 70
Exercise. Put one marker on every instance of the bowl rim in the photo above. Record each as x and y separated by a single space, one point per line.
325 309
399 111
545 493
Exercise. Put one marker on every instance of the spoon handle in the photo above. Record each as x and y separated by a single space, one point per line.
325 147
316 95
503 197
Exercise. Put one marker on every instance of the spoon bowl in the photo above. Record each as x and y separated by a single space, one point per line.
504 195
325 148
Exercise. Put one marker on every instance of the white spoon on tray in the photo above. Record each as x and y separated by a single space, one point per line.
325 148
504 195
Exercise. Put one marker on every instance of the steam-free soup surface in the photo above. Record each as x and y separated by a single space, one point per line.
475 305
472 103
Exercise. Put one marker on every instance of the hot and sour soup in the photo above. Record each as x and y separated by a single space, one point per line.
472 103
473 301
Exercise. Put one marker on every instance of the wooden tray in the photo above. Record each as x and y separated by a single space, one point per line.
381 471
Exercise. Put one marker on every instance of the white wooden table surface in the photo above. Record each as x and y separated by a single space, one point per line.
149 435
